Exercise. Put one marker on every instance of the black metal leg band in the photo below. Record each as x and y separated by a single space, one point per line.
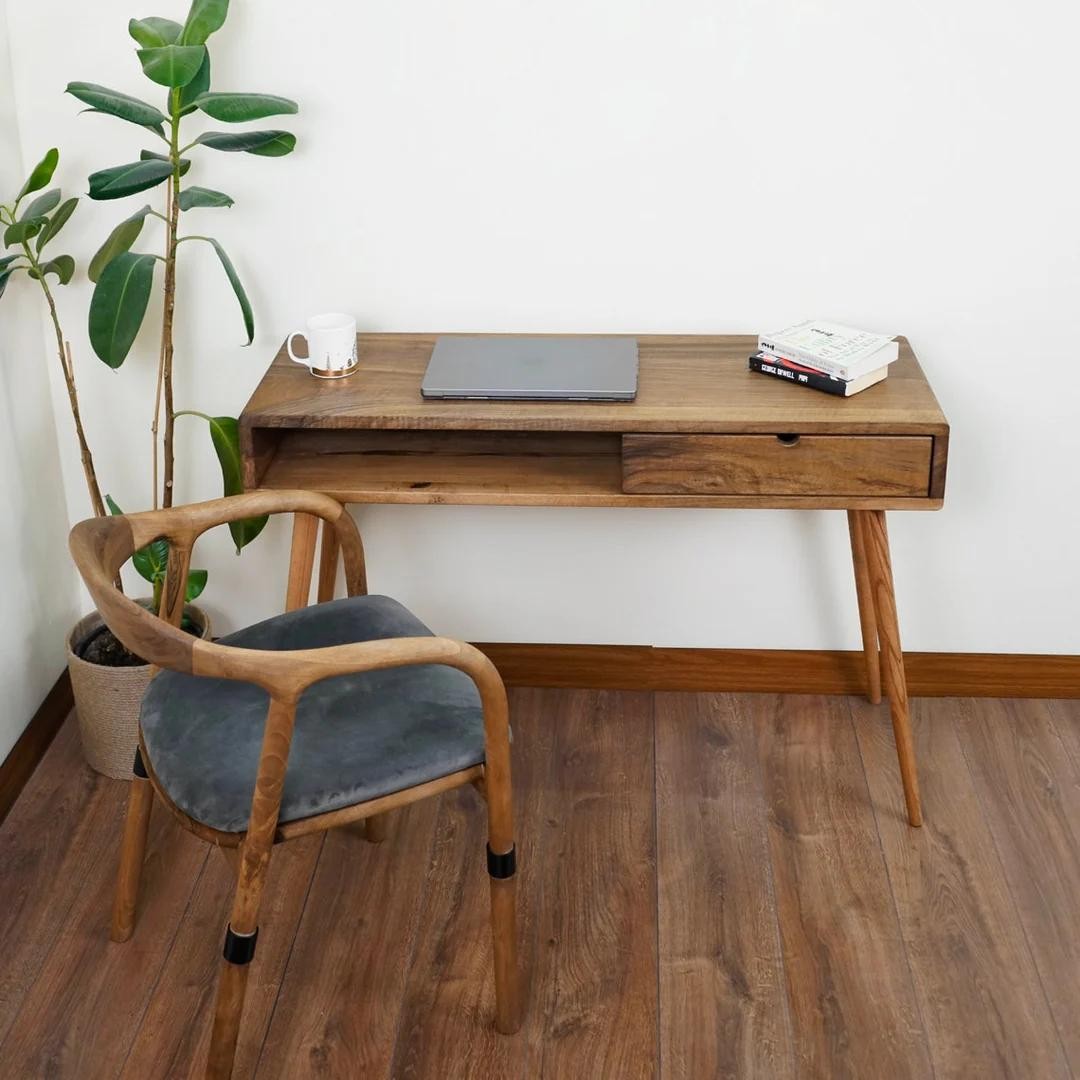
139 769
502 866
239 948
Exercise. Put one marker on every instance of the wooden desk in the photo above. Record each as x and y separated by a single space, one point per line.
703 432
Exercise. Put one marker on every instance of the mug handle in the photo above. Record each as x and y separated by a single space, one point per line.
305 360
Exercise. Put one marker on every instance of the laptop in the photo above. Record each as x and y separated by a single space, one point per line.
498 368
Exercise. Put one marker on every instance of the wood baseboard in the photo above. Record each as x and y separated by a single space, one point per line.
780 671
31 745
641 667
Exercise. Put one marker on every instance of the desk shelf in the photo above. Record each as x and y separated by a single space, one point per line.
478 468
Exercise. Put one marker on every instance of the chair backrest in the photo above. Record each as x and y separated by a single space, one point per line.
100 546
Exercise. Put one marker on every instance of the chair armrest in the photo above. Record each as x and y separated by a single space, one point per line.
287 673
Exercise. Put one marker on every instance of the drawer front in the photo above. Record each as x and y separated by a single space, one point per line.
855 465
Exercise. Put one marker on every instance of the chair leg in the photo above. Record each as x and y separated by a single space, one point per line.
132 852
255 851
375 827
504 932
232 987
240 939
502 875
867 618
877 543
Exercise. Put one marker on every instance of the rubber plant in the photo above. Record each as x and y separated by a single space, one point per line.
28 233
175 57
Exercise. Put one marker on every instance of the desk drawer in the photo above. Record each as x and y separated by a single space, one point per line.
856 465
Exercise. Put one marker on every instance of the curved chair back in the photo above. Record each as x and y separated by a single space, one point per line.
100 546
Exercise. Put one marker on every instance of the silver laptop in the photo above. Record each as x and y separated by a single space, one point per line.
555 368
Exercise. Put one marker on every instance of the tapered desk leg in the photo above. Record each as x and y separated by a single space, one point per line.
867 618
328 564
301 561
876 538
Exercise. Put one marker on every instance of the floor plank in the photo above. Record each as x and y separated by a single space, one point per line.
70 1026
853 1007
981 998
723 1002
446 1024
966 926
49 842
1029 793
338 1009
174 1038
596 980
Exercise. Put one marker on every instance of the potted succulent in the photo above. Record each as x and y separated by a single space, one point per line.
108 680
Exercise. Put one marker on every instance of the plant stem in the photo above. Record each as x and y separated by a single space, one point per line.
64 353
170 300
157 388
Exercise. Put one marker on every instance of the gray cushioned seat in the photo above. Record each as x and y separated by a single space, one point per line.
356 737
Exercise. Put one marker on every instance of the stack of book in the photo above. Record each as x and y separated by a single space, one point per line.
826 356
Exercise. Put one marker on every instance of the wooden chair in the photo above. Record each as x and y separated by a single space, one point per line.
385 670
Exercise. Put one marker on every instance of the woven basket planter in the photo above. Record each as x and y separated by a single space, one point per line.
107 700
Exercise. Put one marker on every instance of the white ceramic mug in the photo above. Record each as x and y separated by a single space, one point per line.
331 345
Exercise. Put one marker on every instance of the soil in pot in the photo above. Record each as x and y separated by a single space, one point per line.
104 648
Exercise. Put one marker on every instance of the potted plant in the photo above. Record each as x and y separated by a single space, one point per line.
108 681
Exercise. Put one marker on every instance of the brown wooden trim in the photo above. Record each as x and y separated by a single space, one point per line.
641 667
780 671
31 745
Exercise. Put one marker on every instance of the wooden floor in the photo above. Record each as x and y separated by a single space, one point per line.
710 886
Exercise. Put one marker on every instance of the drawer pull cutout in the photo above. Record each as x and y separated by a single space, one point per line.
788 439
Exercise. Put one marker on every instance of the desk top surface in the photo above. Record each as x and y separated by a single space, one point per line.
686 384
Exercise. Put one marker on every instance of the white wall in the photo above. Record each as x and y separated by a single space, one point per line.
37 595
599 165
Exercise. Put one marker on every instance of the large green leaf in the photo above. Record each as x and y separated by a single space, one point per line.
42 173
225 435
42 204
149 155
194 89
237 108
200 196
120 240
23 230
63 266
154 31
234 281
172 65
265 143
123 180
119 304
56 222
150 561
196 582
102 99
204 17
